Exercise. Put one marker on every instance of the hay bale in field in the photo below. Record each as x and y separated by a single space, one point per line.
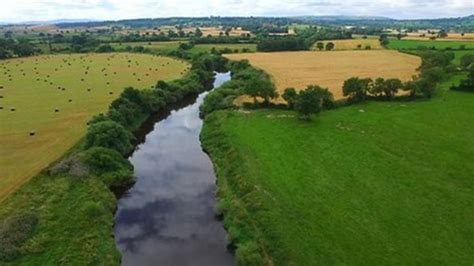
1 107
88 89
56 110
32 133
12 109
111 92
70 100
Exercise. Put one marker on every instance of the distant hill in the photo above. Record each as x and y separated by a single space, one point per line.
460 23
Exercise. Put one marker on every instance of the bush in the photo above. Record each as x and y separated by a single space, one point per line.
93 209
102 160
309 101
108 134
248 254
14 231
109 165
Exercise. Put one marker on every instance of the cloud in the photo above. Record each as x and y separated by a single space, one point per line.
27 10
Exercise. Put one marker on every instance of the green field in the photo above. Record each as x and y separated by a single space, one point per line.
75 222
200 48
157 47
381 183
167 47
54 97
440 45
413 45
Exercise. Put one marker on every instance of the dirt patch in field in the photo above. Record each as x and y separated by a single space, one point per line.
330 69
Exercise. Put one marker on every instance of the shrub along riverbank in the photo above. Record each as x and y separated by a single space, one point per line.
65 215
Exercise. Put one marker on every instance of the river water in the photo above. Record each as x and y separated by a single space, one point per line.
167 217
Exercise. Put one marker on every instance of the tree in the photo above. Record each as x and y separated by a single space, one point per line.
198 32
290 95
391 87
356 88
376 87
467 61
383 39
308 102
412 87
260 87
320 46
108 134
329 46
426 87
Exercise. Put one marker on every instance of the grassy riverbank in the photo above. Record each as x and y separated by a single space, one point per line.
378 183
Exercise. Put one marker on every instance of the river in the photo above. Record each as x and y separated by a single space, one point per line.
167 217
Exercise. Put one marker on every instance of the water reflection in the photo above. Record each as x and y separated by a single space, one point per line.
167 217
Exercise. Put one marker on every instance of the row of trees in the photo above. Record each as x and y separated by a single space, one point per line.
16 48
109 138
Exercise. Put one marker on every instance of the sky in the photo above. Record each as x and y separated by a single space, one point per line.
42 10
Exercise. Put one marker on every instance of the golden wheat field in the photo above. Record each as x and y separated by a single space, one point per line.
353 44
330 69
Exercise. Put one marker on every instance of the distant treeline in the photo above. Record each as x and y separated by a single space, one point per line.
303 41
255 23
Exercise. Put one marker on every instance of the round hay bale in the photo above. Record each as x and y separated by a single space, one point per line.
12 109
110 92
1 107
32 133
70 100
88 89
56 110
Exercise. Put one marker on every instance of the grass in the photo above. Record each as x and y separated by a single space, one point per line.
352 44
157 47
439 45
330 69
382 183
453 46
31 86
75 222
201 48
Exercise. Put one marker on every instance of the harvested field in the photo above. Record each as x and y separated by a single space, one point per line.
330 69
47 100
353 44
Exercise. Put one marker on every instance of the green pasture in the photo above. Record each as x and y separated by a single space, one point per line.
380 183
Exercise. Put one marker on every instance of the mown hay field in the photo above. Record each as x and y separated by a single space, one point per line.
353 44
331 69
55 96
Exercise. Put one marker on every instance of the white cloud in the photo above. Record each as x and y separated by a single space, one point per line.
27 10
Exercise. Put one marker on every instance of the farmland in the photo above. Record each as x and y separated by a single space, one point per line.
353 44
53 97
440 45
330 69
379 183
